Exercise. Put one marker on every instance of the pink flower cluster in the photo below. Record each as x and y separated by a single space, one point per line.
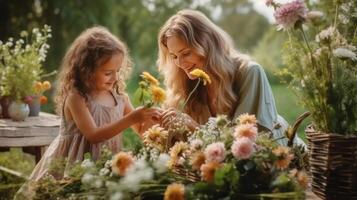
288 14
243 148
215 152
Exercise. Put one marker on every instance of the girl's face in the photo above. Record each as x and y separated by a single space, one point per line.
184 56
105 75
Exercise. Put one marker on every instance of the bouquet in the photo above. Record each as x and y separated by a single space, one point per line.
21 62
223 159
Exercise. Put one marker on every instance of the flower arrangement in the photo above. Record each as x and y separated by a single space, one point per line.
149 93
321 59
39 88
21 62
223 159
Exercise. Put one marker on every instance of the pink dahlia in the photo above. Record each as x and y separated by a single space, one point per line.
215 152
288 14
242 148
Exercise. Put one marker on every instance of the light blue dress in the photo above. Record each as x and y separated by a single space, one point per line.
256 97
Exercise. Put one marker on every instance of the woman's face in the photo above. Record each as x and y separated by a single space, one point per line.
184 56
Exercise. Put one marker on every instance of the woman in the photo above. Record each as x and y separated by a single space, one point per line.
189 40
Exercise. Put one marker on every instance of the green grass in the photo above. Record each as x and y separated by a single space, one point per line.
286 103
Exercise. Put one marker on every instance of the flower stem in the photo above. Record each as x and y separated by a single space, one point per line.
308 47
189 96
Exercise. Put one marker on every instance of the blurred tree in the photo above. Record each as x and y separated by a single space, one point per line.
268 53
242 22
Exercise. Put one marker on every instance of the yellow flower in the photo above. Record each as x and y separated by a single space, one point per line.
208 170
201 75
148 77
175 191
247 119
176 152
156 136
46 85
158 94
121 162
38 87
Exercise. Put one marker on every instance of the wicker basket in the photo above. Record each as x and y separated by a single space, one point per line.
333 162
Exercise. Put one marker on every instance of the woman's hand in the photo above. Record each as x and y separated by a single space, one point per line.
169 115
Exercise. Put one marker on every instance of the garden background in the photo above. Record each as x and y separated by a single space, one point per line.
137 22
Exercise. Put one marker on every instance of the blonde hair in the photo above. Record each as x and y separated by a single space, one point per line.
91 49
222 63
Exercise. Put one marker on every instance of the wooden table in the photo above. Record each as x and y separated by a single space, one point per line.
32 135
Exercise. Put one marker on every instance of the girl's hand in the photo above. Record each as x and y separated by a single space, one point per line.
143 114
169 115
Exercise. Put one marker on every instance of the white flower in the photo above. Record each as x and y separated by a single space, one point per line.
98 183
325 34
117 196
137 173
344 53
88 178
104 172
87 164
35 30
161 163
196 144
314 15
108 164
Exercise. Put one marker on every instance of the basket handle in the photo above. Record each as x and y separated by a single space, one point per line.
291 131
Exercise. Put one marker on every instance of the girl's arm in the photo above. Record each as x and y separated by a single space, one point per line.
139 128
77 110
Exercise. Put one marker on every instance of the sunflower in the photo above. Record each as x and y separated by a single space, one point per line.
201 75
148 77
176 152
156 136
158 94
175 191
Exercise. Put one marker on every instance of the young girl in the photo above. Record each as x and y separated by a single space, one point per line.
92 102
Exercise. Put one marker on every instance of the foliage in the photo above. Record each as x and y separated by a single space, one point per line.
21 63
17 161
268 52
322 68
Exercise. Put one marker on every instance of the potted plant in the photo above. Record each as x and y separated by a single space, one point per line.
321 59
21 64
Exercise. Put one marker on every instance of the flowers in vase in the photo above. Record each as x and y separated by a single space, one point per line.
39 88
21 62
